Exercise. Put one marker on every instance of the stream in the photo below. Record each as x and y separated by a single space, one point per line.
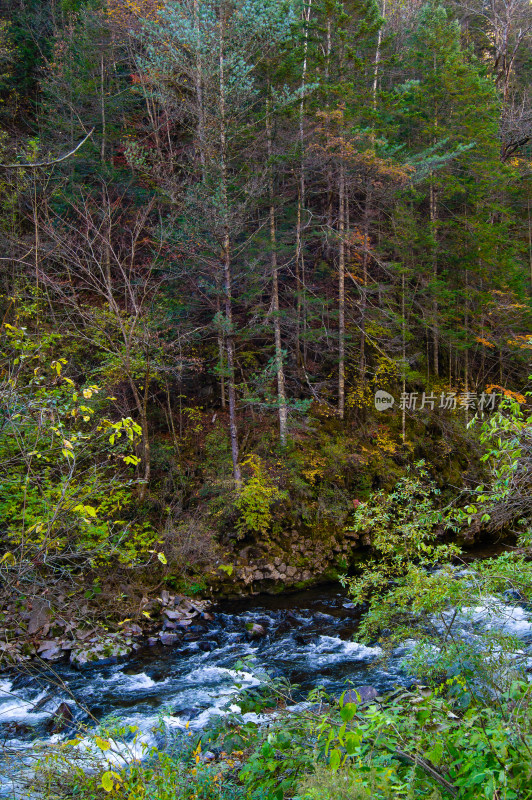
310 638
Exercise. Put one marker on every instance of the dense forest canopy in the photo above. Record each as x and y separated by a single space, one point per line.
226 226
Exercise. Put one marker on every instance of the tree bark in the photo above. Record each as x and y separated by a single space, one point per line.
435 310
198 81
281 392
226 261
300 261
341 292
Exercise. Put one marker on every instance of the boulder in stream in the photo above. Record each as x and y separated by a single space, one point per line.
168 638
360 695
61 719
98 653
255 630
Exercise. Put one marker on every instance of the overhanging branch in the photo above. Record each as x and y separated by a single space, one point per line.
49 163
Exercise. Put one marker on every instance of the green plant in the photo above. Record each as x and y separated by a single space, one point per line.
401 528
255 499
506 497
65 489
115 761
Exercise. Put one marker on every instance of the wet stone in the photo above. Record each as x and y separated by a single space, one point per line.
168 638
255 630
61 719
361 695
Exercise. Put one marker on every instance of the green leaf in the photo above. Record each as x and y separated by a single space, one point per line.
335 759
352 742
107 782
348 712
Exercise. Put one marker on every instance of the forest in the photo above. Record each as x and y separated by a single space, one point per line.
266 329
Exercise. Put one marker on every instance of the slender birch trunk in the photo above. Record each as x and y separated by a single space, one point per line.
403 337
433 202
102 107
341 292
529 241
435 309
226 261
281 392
300 261
367 212
198 86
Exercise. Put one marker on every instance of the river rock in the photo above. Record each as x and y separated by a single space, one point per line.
61 719
291 572
99 653
360 695
15 730
50 650
39 617
168 639
41 703
133 629
187 713
255 630
207 647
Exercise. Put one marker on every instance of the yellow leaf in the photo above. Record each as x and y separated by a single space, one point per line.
107 782
101 743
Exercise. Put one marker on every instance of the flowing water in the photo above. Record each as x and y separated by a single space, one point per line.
310 638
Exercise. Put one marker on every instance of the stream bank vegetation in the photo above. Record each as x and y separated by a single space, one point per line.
463 726
226 226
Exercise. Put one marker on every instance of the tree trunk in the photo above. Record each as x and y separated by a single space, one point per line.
198 81
221 358
300 261
141 404
403 342
102 107
281 393
226 260
341 292
364 288
435 311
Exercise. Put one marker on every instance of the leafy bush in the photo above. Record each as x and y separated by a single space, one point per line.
401 526
256 498
65 492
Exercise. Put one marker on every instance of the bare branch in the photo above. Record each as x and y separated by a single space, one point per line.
49 163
